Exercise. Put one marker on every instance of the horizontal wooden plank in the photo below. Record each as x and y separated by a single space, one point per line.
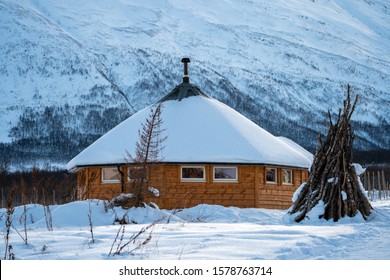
166 178
273 193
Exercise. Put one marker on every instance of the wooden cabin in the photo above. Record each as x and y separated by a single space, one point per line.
212 155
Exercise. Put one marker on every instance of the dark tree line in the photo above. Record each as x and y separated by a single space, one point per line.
37 186
57 134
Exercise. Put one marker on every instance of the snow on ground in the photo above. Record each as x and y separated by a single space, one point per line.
202 232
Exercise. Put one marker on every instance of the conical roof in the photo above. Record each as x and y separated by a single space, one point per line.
199 129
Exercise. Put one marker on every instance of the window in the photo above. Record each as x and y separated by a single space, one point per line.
110 175
287 176
135 173
272 175
225 174
193 173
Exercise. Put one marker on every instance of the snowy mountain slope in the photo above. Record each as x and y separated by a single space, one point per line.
41 64
281 63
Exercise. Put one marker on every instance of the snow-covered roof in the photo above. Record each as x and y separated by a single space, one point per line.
297 147
199 129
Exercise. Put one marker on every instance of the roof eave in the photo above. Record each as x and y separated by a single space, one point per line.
81 166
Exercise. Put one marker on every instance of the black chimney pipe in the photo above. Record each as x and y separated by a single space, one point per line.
185 60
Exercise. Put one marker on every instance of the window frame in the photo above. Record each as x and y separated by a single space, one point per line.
291 177
115 181
276 175
222 179
135 179
193 179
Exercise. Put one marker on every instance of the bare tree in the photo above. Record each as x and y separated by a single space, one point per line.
333 179
8 224
24 202
47 212
90 221
147 151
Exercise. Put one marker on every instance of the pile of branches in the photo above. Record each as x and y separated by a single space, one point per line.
333 179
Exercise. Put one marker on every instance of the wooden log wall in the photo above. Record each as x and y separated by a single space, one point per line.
279 196
178 194
250 190
90 185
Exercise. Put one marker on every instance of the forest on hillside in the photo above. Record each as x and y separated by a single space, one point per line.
57 134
